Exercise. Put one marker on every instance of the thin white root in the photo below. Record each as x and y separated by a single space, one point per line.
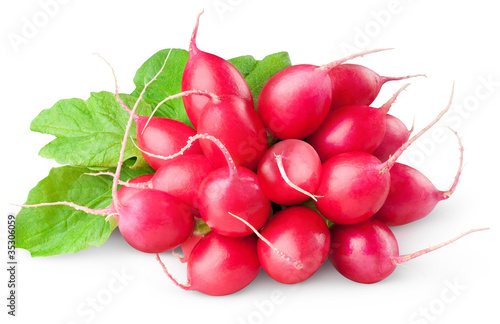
281 168
298 265
215 99
407 257
387 165
189 143
116 178
101 212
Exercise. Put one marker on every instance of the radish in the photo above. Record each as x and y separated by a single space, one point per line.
368 252
354 84
351 128
182 176
355 185
220 116
297 231
235 123
209 72
295 101
151 221
229 189
237 191
164 136
412 195
219 265
396 134
289 171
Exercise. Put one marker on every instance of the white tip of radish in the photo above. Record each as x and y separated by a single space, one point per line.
333 64
387 165
215 99
108 218
230 162
143 185
385 79
177 283
385 107
100 212
117 96
446 194
407 257
192 45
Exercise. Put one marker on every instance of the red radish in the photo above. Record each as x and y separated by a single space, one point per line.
235 191
235 123
412 195
297 231
209 72
219 265
396 134
351 128
295 101
182 176
164 136
352 188
368 252
154 221
150 220
220 116
229 189
289 171
355 185
354 84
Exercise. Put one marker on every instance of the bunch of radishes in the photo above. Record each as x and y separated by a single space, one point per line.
331 149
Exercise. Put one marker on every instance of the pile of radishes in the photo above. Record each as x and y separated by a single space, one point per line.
272 206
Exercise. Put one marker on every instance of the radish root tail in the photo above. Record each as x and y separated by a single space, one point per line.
177 283
446 194
407 257
387 165
281 168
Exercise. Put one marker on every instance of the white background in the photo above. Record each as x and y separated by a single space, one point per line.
447 40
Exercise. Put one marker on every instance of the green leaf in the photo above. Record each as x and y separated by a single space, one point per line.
53 230
257 73
89 133
167 83
245 64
